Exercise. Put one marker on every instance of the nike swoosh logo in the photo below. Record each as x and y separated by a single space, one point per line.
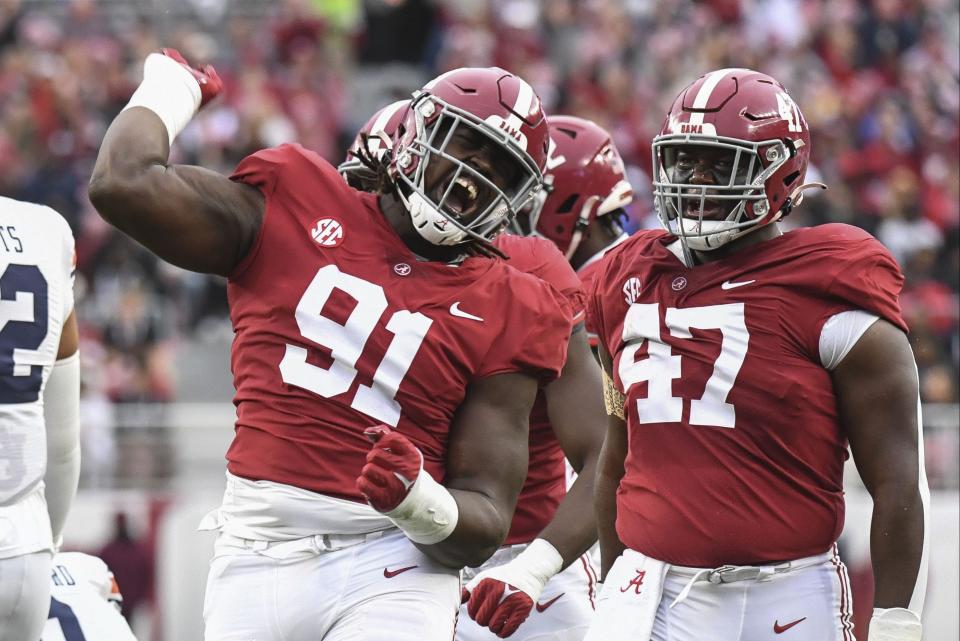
542 607
456 311
392 573
780 629
728 285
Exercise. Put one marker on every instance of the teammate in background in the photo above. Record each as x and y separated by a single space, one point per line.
582 207
741 360
39 408
542 561
84 601
356 313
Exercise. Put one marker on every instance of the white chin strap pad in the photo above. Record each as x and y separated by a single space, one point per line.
432 225
709 234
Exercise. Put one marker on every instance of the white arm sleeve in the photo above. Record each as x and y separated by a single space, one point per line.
61 411
840 333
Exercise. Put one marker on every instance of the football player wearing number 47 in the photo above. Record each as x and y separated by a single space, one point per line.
385 359
741 361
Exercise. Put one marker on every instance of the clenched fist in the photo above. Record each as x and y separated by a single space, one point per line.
393 466
206 76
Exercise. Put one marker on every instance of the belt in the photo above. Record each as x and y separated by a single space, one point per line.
737 573
316 544
501 557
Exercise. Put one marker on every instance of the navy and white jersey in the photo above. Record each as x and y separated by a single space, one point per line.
84 601
36 298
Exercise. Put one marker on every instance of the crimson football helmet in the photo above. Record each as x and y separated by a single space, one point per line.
584 179
374 140
752 118
502 108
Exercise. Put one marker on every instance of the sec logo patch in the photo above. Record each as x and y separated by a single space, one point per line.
327 232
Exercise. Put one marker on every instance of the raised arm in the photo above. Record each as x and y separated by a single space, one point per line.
575 408
189 216
877 394
464 521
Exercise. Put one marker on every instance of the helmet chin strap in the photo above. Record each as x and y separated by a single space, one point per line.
796 196
583 222
432 225
709 241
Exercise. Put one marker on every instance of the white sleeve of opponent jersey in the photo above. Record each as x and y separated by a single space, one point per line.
83 598
61 410
840 333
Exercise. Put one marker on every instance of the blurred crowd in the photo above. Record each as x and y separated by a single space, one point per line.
877 80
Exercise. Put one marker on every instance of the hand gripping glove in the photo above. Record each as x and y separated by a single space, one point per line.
174 90
395 484
501 598
895 624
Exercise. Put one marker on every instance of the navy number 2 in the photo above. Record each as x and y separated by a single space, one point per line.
23 325
69 625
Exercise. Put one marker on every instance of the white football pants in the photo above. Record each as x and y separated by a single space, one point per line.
562 613
805 600
329 587
26 555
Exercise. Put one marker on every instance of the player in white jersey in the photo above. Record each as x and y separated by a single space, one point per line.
39 406
84 601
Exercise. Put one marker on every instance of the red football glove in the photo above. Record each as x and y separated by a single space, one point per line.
210 83
502 597
496 605
393 465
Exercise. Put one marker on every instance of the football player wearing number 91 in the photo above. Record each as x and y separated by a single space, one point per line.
385 361
39 408
540 584
741 361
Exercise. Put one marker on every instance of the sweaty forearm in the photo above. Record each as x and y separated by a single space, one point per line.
897 546
569 532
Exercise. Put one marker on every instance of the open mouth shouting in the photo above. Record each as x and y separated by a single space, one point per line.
462 198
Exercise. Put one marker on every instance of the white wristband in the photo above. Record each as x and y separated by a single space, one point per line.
535 566
168 90
895 624
429 512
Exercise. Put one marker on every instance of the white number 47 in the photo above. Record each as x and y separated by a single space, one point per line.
661 367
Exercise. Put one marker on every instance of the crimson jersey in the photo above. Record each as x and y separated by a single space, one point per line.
735 448
339 327
545 485
588 276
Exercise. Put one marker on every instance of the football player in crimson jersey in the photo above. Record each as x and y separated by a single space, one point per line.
540 584
740 362
581 208
385 362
